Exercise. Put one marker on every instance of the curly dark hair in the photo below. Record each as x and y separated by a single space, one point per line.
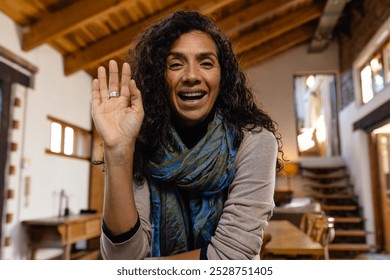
148 60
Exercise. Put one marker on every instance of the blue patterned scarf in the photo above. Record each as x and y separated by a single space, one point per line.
188 189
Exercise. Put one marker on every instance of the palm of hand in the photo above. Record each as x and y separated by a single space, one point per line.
118 120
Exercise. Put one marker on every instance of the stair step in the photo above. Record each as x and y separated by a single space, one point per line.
327 186
330 186
332 196
323 169
351 220
349 247
326 207
359 233
325 176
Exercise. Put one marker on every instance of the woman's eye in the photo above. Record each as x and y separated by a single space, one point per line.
207 64
174 65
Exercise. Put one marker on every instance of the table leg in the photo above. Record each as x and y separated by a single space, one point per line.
33 252
67 251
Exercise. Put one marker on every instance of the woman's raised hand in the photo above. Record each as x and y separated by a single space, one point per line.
117 119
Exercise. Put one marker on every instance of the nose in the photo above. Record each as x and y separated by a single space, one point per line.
192 74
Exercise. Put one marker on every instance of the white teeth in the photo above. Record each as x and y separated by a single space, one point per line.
192 94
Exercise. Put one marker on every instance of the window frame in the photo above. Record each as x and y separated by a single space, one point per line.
78 133
379 51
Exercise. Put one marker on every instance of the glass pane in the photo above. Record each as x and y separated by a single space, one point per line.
386 62
378 73
366 80
55 137
69 139
81 149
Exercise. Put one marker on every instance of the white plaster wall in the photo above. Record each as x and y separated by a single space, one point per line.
354 144
66 98
355 151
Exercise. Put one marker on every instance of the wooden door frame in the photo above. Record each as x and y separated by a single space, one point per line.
385 197
381 208
376 193
8 76
96 180
368 123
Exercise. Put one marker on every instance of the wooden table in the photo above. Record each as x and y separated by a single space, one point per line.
62 231
288 240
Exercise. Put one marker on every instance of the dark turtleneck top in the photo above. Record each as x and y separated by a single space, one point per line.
191 135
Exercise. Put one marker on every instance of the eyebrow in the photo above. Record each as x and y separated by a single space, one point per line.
200 55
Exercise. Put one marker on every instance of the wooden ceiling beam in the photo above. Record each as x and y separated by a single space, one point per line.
18 11
213 5
277 45
118 44
254 13
72 17
277 27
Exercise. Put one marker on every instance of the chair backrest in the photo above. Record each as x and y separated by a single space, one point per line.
266 239
323 232
307 222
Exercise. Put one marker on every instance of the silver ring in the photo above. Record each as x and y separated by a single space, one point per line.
113 94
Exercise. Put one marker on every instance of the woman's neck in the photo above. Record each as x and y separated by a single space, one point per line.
192 135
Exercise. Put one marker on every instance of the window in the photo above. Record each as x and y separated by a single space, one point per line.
386 61
316 115
375 73
68 140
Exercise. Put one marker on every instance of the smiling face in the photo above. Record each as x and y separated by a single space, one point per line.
193 76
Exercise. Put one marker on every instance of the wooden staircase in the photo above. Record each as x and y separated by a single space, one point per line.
330 186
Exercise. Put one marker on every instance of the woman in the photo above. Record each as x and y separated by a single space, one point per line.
190 160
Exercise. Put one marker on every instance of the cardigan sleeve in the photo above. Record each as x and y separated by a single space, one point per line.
137 245
250 201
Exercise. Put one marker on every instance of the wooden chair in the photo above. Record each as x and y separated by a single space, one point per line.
266 239
323 232
307 222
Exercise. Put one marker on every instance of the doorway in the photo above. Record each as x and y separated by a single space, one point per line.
381 149
8 76
4 105
316 111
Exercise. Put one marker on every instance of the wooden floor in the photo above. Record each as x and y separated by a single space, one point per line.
373 256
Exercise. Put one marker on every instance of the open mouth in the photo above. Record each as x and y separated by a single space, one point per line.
191 96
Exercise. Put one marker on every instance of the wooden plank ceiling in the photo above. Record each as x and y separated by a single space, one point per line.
90 32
